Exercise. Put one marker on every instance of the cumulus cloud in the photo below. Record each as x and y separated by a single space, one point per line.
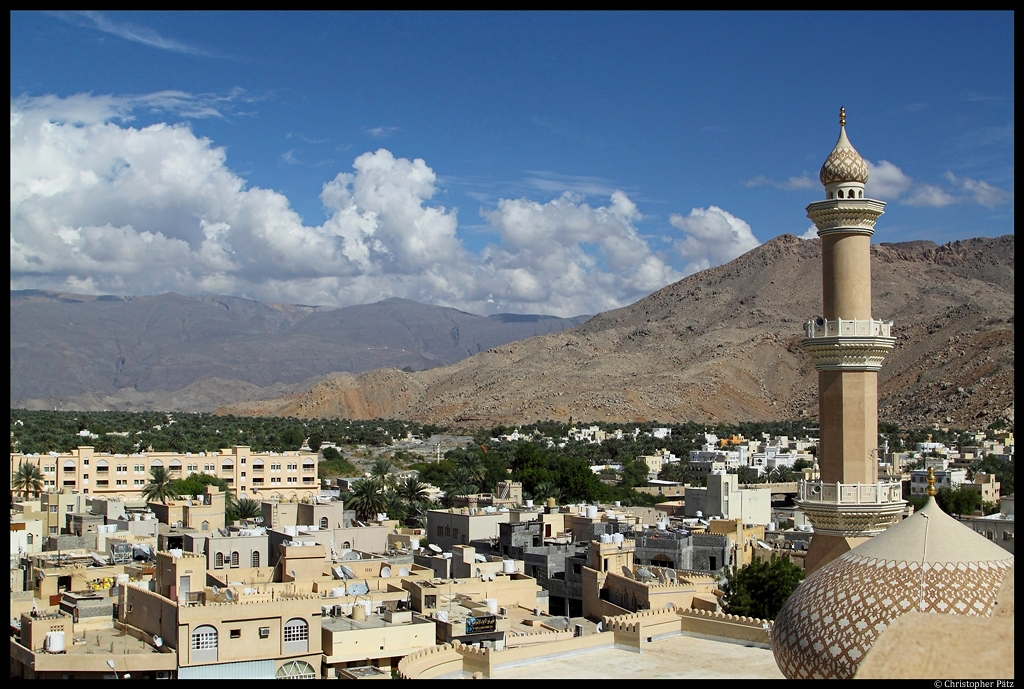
811 233
712 237
886 181
929 195
982 192
103 207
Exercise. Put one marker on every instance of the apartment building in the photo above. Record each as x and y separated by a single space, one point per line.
266 474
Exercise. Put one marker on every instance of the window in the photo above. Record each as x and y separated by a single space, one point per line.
140 468
243 460
204 643
71 508
102 482
296 669
53 508
218 561
236 633
440 531
455 533
192 468
234 558
29 539
447 531
429 601
122 468
275 479
293 467
122 482
293 479
256 558
275 467
323 522
243 474
296 635
207 467
85 462
205 526
140 482
53 530
264 632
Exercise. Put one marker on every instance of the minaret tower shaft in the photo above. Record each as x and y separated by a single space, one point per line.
848 504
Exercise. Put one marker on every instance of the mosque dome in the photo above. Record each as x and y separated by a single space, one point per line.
929 562
843 164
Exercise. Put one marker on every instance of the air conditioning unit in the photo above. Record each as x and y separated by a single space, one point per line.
163 674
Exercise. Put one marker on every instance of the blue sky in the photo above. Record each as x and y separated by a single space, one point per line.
559 163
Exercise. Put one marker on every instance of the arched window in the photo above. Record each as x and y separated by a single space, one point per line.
296 635
256 558
29 539
205 525
860 194
204 643
234 558
840 193
346 545
175 465
218 561
69 465
323 522
296 669
155 463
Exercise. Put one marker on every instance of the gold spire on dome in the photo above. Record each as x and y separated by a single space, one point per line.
931 481
843 164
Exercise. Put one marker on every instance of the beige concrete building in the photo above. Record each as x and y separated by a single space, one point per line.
250 474
848 504
724 497
237 633
461 526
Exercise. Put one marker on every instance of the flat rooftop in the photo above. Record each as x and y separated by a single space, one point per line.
678 657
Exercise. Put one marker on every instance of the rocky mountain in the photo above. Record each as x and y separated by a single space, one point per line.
723 345
196 353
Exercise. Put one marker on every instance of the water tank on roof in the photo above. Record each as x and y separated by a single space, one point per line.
618 538
662 526
290 531
529 503
54 642
492 605
591 511
338 592
441 615
508 566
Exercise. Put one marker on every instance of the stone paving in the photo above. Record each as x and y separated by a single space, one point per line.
679 657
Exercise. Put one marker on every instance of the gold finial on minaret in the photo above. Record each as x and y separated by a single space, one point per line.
842 117
931 481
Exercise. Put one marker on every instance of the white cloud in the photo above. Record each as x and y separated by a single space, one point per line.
380 132
984 193
801 182
929 195
811 233
131 32
713 237
100 206
886 181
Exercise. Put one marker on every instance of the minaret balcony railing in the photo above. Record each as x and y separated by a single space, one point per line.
850 493
820 327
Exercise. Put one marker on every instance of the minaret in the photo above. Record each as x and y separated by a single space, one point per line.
848 504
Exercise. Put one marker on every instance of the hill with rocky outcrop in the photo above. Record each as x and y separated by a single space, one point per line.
723 345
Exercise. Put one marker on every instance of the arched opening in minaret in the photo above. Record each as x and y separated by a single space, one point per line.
840 193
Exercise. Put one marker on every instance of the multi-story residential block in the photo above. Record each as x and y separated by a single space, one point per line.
266 474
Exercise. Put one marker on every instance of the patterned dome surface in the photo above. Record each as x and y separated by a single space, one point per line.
843 164
928 563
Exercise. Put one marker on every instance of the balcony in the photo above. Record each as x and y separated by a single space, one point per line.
850 493
820 327
851 509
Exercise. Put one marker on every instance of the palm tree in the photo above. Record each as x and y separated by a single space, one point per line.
160 486
459 482
27 480
366 498
415 496
246 508
474 465
546 489
380 471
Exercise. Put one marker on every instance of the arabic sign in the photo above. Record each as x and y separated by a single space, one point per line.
479 625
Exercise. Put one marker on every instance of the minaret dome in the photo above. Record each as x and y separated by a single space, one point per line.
844 172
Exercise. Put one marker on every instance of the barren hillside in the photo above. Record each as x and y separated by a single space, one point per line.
723 345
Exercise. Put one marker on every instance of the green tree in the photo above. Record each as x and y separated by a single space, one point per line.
761 588
245 508
160 487
366 498
635 474
27 480
460 482
959 501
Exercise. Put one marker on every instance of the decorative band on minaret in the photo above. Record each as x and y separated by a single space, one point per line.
848 347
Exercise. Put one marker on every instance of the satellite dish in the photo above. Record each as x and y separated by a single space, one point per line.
599 626
357 589
157 641
292 573
433 547
385 572
662 576
403 571
214 590
347 571
480 558
626 573
230 595
338 573
644 574
350 556
671 576
258 520
819 321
